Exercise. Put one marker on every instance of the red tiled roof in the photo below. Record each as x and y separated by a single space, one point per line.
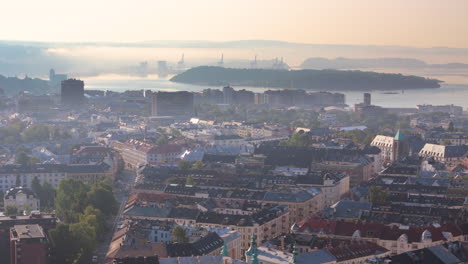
315 224
376 230
367 229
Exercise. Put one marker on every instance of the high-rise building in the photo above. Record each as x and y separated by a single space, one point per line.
260 98
172 104
162 69
367 99
244 97
72 93
56 79
28 244
228 93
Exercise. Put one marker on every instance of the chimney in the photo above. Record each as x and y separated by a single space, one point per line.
283 248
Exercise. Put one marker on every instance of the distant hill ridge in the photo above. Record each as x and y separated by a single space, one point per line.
348 63
304 79
14 85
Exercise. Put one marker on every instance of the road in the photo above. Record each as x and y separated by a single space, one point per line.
123 188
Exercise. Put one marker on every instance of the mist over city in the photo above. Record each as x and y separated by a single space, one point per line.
234 132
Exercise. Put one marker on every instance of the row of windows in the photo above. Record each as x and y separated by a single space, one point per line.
34 175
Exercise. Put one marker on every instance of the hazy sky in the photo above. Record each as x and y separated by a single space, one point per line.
422 23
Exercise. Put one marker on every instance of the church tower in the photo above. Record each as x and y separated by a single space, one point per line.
400 146
51 75
251 255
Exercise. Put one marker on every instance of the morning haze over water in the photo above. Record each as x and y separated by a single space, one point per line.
456 94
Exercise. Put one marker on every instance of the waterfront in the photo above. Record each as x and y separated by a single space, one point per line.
456 94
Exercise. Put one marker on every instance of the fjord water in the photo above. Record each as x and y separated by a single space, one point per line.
456 94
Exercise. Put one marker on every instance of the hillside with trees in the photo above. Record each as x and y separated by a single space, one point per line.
13 85
304 79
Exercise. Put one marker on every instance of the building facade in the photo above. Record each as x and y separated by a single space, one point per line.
28 244
172 104
136 153
392 148
72 93
17 175
22 198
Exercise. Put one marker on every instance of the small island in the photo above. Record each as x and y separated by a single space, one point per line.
304 79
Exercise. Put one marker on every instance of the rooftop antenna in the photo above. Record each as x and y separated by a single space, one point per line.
182 60
221 62
254 63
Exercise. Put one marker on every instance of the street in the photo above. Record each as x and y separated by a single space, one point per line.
122 189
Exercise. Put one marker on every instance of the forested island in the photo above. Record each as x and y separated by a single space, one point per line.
14 85
304 79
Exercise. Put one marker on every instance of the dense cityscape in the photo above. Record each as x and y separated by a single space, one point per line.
229 175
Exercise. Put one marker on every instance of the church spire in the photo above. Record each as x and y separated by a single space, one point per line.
399 136
251 255
295 253
225 251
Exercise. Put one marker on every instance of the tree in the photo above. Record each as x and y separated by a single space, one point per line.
184 165
162 140
451 127
175 132
404 122
11 210
446 142
36 186
47 196
45 193
11 134
94 217
36 133
56 133
18 180
189 180
297 140
161 130
64 247
297 123
34 160
22 158
198 165
85 237
172 180
72 243
66 135
27 209
71 199
378 195
179 235
102 197
75 243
